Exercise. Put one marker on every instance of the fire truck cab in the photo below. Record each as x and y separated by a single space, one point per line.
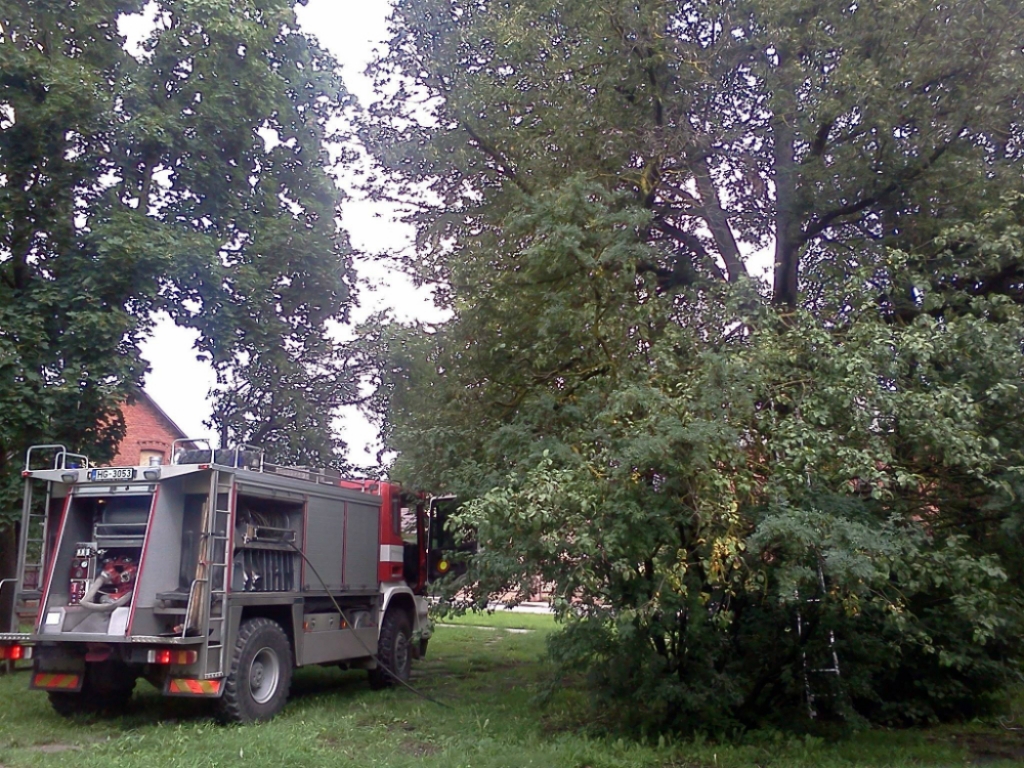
212 577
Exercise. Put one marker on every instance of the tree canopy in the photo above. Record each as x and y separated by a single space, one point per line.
186 177
723 479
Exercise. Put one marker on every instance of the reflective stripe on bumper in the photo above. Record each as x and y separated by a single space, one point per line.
57 681
183 686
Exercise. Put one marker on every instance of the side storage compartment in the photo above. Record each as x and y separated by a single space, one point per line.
342 546
268 528
329 637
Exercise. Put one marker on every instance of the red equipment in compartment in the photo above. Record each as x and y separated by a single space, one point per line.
119 573
83 571
110 588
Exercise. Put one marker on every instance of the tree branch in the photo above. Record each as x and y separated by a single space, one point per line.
815 228
691 241
821 138
718 223
504 167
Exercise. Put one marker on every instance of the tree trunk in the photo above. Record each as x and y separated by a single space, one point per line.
787 223
788 240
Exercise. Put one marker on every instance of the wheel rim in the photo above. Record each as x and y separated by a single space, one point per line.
401 655
264 674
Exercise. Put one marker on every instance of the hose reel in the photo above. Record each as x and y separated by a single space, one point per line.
113 587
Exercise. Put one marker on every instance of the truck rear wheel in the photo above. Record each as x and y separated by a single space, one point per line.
107 688
260 673
394 651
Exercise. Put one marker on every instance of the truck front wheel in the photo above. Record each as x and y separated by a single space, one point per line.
260 674
394 651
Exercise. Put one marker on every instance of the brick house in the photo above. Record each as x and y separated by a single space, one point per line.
149 433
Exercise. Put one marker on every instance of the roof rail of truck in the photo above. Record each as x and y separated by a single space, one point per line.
188 450
199 450
62 458
321 476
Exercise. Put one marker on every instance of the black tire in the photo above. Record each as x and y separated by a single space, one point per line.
394 650
68 704
260 674
107 688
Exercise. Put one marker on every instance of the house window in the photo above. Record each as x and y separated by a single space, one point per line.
149 458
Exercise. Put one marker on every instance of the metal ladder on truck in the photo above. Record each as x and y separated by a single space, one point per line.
207 612
32 540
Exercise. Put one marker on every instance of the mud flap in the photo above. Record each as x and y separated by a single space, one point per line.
188 686
65 682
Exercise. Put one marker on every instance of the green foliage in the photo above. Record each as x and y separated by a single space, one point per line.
715 480
187 177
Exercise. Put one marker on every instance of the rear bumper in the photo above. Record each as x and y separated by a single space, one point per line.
19 638
88 637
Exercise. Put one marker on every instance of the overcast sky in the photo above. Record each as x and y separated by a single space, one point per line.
178 382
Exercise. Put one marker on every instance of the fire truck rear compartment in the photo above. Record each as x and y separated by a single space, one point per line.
97 561
157 534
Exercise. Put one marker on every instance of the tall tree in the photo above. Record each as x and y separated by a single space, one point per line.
186 177
678 448
806 127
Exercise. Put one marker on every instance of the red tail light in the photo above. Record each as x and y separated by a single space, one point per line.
15 652
168 656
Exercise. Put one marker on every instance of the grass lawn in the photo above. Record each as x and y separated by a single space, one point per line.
503 619
488 680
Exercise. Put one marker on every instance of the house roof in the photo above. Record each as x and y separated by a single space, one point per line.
141 394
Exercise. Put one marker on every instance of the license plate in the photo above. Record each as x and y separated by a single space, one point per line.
113 473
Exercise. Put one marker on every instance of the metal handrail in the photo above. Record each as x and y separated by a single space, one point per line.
318 476
238 453
51 446
241 448
60 457
64 459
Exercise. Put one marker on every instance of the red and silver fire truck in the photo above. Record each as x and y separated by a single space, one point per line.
213 577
